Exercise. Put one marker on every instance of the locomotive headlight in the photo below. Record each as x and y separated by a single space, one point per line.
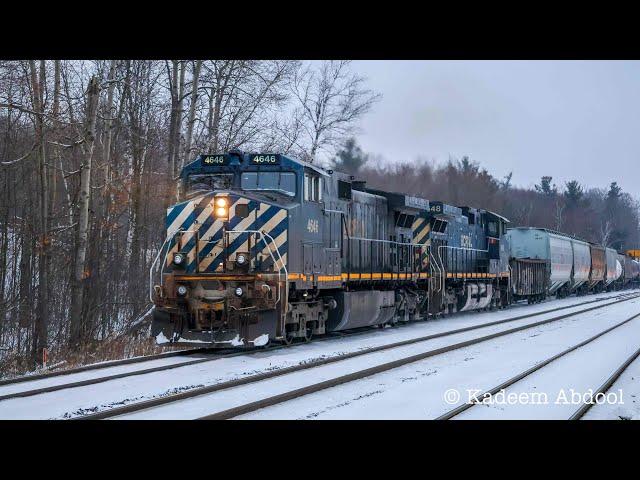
241 259
178 259
222 207
181 290
239 292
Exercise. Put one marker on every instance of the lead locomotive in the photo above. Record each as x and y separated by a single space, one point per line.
263 247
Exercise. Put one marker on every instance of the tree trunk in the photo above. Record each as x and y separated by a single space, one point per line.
192 112
173 119
93 93
40 332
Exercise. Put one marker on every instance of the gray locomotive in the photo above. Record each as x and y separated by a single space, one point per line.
263 247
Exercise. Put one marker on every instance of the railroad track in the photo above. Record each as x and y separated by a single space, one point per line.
98 366
218 354
582 410
339 380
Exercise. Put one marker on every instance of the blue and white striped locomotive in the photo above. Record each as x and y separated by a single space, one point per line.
262 247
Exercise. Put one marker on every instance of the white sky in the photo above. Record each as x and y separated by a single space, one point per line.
567 119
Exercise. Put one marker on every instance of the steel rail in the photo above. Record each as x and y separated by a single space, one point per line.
283 371
293 394
578 414
98 366
466 406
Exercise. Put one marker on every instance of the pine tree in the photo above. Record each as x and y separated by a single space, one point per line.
573 193
351 158
545 186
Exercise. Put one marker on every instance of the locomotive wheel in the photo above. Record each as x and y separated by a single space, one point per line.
288 338
308 332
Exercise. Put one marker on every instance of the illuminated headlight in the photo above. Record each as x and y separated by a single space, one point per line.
181 290
239 291
241 259
222 207
178 259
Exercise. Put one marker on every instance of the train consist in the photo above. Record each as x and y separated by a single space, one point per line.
263 247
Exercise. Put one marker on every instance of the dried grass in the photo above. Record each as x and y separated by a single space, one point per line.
15 365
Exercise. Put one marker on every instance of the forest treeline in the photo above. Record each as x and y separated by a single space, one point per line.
89 153
606 216
90 150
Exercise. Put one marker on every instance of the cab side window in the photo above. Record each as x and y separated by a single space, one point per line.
312 188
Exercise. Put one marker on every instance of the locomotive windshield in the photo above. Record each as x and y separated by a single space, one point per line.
281 182
198 183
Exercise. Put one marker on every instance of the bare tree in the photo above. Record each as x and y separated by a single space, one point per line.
245 103
331 100
79 274
38 86
197 66
606 228
560 207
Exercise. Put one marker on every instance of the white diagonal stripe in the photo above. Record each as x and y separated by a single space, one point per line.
186 211
204 264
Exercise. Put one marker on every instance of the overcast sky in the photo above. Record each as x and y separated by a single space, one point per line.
567 119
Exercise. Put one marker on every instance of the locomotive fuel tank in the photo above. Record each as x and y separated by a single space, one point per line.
361 309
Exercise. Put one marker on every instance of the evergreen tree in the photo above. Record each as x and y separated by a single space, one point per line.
573 193
351 158
545 186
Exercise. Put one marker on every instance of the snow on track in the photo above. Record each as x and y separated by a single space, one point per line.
629 383
417 391
81 400
91 374
566 378
370 389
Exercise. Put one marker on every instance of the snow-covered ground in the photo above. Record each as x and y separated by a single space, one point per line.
423 389
629 384
413 391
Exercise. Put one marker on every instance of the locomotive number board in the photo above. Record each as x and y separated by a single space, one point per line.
265 159
215 160
436 207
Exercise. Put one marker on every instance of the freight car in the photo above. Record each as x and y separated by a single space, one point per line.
552 249
598 268
613 268
264 247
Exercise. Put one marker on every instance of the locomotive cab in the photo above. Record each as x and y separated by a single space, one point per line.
223 267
